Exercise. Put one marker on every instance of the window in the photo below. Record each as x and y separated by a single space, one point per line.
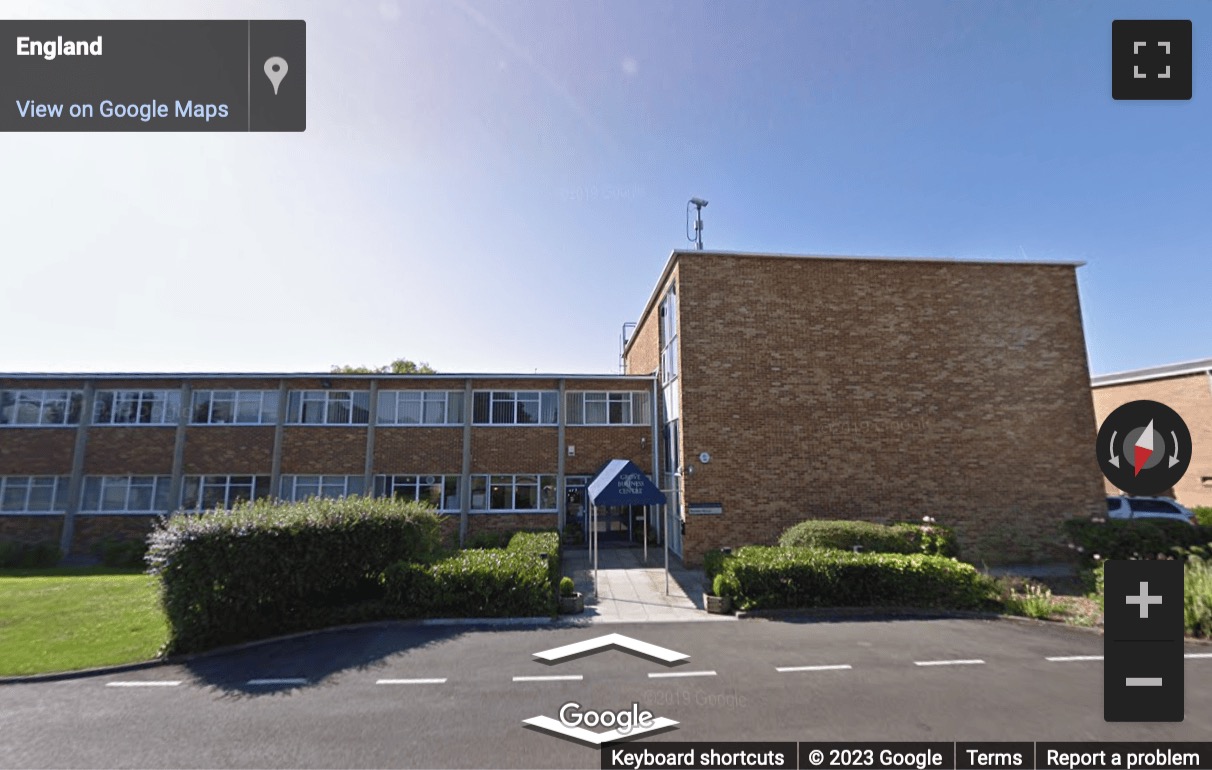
125 494
420 407
515 407
237 407
605 408
328 407
442 492
302 487
137 407
669 335
40 407
513 492
33 494
202 493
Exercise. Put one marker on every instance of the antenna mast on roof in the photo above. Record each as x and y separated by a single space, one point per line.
697 238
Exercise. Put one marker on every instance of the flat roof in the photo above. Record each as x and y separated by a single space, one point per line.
306 375
676 253
1153 373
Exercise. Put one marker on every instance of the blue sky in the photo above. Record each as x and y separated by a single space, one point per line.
495 186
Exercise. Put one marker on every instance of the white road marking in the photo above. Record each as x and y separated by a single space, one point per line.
1198 655
671 674
148 683
1067 658
277 681
786 669
972 662
412 681
562 678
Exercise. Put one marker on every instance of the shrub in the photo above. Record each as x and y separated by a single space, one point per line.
545 541
1203 515
719 585
488 539
29 555
713 562
123 553
473 583
762 577
1133 538
1197 596
1028 598
567 587
929 538
267 568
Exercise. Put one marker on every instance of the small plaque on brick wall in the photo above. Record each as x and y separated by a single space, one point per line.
698 509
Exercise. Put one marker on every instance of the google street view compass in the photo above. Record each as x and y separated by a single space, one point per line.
1144 447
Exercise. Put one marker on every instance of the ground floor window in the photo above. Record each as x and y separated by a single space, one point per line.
440 491
33 494
201 493
125 494
295 488
513 492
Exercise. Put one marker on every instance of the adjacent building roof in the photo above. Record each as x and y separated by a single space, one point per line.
1153 373
307 375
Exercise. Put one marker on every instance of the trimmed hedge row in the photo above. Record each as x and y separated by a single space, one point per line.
268 568
906 538
758 577
494 582
1133 538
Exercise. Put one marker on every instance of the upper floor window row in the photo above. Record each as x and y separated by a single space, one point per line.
420 407
40 407
137 407
235 407
607 408
328 407
515 407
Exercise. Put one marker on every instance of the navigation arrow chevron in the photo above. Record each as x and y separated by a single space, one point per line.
612 642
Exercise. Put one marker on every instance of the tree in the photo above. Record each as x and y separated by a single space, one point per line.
399 366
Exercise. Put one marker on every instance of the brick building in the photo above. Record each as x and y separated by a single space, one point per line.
1185 388
760 390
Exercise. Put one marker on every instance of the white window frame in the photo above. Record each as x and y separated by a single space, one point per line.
668 320
353 400
637 403
205 482
98 488
342 485
9 486
266 401
449 404
163 407
545 400
485 482
45 398
395 485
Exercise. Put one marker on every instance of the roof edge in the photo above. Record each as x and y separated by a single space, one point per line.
1166 371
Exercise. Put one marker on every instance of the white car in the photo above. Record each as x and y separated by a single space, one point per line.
1148 508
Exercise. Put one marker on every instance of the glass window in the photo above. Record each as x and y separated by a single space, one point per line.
40 407
125 494
515 407
329 407
210 492
522 492
137 407
243 407
503 408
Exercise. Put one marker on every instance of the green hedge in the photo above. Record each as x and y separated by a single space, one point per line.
28 555
906 538
1203 515
268 568
123 553
477 583
1133 538
758 577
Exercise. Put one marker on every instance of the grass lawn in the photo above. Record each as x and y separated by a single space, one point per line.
64 619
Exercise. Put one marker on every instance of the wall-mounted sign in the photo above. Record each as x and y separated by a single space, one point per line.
696 509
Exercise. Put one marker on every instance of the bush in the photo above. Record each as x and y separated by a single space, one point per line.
267 568
29 555
762 577
1133 538
567 587
474 583
1197 596
929 538
713 562
1203 516
1029 598
488 540
123 553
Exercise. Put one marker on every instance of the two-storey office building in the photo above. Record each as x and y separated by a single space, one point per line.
85 458
760 390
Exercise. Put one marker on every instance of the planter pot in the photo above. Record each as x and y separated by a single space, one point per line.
717 605
571 605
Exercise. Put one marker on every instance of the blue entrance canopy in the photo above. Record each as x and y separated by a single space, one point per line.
622 483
